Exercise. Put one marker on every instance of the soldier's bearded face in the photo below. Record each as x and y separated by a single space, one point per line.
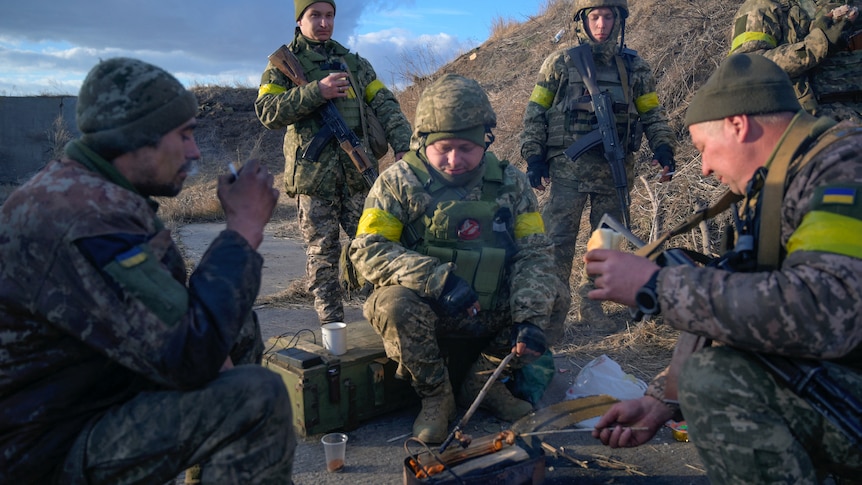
454 156
317 21
600 23
161 170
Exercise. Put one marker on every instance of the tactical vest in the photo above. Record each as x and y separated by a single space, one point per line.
462 232
315 71
572 114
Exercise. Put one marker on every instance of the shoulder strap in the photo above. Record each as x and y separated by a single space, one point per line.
803 130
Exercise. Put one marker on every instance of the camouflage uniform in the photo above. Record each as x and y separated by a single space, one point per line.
330 190
827 83
748 427
424 233
407 283
559 113
109 361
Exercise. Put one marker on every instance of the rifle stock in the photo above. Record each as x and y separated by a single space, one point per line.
333 123
615 154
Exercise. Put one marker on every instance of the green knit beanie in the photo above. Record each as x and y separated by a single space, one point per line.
299 6
125 104
744 84
475 134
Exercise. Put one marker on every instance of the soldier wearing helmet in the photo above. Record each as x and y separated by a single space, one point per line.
560 112
818 43
452 240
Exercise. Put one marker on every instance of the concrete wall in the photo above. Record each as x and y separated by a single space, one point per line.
28 133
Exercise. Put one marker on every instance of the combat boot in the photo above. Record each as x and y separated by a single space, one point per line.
498 401
438 410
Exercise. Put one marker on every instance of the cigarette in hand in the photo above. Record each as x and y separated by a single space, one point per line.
233 170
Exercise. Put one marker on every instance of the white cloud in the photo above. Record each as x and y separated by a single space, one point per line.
47 47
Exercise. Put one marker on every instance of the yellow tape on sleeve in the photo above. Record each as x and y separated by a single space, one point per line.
542 96
827 232
378 221
529 223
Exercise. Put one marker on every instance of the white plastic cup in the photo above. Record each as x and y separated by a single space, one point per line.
334 337
334 446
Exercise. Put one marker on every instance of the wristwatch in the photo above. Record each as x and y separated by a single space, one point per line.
646 297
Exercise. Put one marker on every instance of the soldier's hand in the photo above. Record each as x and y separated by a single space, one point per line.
335 85
663 156
833 29
248 200
615 426
458 296
528 341
538 171
617 275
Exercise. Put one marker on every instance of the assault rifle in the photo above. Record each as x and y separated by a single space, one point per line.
807 379
333 123
606 133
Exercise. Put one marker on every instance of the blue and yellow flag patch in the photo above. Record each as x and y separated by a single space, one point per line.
132 257
839 195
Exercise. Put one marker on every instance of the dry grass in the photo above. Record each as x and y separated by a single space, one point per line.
682 57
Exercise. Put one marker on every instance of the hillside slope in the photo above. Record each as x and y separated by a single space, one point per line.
683 41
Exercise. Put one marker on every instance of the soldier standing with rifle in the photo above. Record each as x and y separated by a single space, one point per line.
327 110
779 402
819 45
597 99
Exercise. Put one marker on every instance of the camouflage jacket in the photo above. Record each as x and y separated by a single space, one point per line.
781 31
399 198
810 307
283 104
560 103
95 308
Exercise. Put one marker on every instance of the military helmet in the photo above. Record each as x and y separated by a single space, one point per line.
581 5
453 103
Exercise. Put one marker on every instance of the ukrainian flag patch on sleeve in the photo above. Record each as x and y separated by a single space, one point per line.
839 195
841 199
132 257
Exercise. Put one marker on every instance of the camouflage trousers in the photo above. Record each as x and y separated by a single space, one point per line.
411 328
562 217
239 428
750 429
321 221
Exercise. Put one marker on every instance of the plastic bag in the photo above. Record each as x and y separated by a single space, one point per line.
604 376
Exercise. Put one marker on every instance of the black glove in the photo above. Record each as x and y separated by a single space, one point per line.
834 30
537 168
664 155
457 295
531 335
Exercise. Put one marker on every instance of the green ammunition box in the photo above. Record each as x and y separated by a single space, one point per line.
331 392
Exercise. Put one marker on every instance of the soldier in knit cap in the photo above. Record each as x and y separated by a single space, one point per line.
794 292
329 190
116 366
453 243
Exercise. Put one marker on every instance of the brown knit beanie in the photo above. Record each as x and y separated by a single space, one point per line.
125 104
299 6
744 84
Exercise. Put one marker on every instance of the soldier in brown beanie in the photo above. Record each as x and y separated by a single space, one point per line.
794 293
116 367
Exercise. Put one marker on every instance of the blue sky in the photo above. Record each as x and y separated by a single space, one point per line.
48 46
